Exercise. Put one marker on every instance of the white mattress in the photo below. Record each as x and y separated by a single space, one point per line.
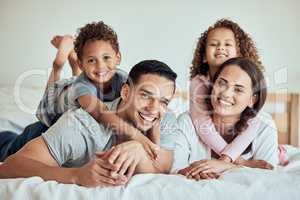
18 106
239 184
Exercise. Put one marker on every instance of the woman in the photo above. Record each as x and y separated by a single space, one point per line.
238 94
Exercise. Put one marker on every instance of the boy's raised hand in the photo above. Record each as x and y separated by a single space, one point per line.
151 148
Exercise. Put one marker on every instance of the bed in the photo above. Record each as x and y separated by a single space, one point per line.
246 183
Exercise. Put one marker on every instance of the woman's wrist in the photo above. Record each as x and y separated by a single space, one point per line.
225 158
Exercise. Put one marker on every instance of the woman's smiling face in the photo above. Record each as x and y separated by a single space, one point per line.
232 92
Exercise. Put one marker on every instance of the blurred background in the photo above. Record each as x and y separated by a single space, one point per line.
165 30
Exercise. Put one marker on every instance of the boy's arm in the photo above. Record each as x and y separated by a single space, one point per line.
154 133
100 112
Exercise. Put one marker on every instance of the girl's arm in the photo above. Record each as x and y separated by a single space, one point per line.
206 129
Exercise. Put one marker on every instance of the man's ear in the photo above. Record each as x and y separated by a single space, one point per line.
119 58
125 92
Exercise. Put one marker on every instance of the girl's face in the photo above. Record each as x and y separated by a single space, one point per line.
232 92
220 46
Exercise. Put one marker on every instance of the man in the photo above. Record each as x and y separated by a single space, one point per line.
77 149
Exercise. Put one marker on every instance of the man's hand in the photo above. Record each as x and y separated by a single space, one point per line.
97 172
126 157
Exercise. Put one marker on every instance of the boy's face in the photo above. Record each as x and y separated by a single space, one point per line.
146 102
220 46
99 61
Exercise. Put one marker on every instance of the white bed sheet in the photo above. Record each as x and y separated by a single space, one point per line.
244 183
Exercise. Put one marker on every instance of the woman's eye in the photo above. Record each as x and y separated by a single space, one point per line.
212 44
239 90
228 44
221 83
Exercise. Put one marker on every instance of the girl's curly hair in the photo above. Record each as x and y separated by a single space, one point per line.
95 31
244 43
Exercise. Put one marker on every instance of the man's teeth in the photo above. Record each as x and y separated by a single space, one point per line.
147 118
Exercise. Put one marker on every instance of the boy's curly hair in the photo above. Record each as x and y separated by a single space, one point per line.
95 31
244 43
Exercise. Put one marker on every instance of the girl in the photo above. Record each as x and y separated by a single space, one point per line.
219 43
224 40
238 94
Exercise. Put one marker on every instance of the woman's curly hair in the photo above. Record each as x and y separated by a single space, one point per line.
95 31
244 43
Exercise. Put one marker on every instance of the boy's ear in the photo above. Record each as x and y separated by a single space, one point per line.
79 64
125 92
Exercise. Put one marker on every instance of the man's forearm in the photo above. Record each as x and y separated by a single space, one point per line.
20 166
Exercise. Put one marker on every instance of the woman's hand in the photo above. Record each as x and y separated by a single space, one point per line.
254 163
209 166
198 176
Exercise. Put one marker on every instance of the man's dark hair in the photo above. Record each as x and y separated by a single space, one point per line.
151 67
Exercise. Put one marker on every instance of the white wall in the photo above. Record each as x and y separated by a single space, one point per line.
165 30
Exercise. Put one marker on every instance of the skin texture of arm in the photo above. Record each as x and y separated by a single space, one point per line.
34 159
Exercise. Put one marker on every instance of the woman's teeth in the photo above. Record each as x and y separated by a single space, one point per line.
225 103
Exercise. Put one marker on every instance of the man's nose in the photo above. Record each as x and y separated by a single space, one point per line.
153 104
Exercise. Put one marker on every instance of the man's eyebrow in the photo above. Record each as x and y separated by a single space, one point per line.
147 91
150 93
